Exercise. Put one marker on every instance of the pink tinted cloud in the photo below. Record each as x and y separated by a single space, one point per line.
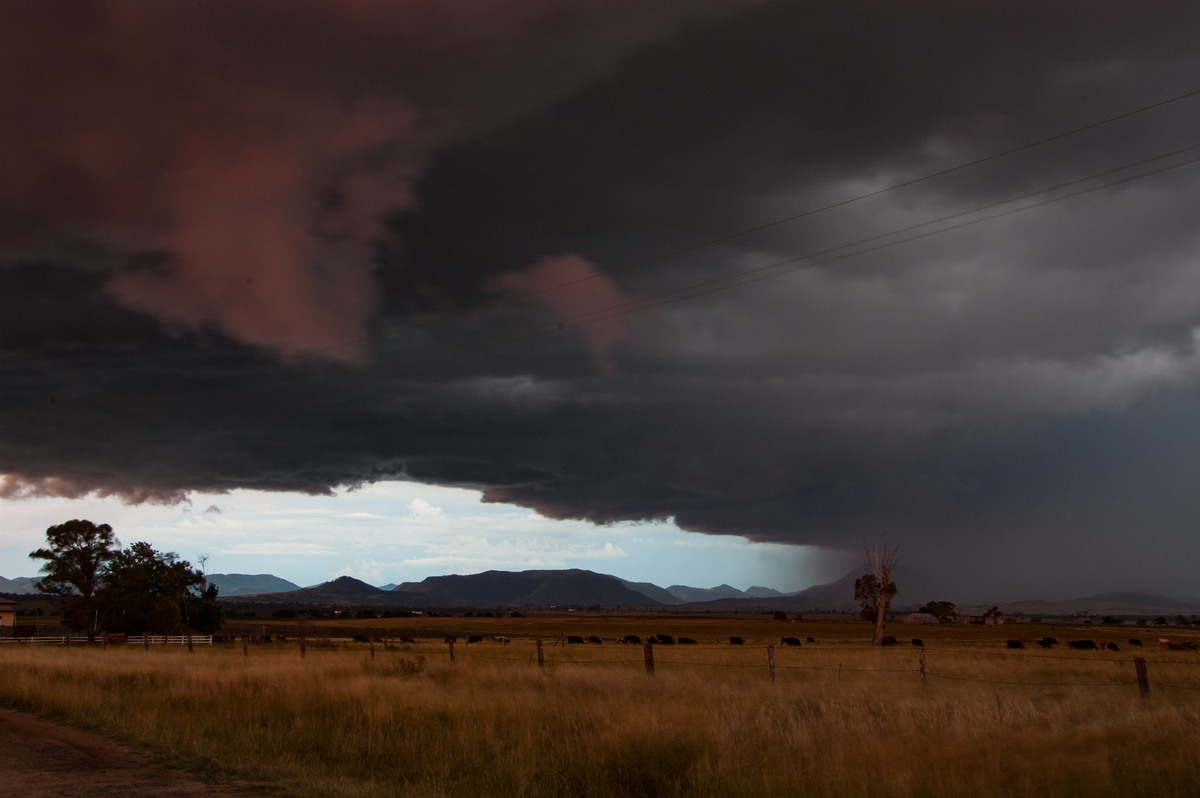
14 487
248 150
161 128
578 293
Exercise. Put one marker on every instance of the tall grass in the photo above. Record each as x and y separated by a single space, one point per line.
842 721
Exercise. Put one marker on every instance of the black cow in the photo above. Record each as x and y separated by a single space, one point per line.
687 641
594 639
359 639
1112 647
809 640
1133 641
790 641
575 639
889 641
1049 641
736 641
630 639
474 639
663 640
451 639
1015 644
918 642
1083 645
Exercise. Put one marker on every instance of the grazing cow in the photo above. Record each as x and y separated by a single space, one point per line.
889 641
810 640
790 641
630 639
451 639
687 641
474 639
1112 647
1046 642
1162 641
663 640
359 639
1083 645
575 640
918 642
736 641
595 640
1133 641
502 640
1015 644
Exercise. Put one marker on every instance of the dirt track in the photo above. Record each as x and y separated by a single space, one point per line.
41 759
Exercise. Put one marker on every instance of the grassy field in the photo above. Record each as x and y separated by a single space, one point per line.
839 719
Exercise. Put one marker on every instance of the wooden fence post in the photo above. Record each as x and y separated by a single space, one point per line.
450 643
541 655
649 649
771 660
1143 679
924 670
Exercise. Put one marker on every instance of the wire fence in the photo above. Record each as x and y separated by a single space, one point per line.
949 664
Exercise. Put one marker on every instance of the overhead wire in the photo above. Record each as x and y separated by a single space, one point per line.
829 255
515 299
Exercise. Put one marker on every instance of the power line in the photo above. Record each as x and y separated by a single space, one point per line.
831 254
516 299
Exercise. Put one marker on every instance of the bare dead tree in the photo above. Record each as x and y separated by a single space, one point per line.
881 562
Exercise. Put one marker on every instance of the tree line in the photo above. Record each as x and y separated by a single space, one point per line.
132 590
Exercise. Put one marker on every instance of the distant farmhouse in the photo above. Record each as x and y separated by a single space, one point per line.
8 614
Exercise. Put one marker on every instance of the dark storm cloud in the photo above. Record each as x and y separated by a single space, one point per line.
439 220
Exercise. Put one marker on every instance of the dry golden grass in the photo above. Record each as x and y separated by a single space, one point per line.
841 719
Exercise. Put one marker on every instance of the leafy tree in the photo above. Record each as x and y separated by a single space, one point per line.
944 611
76 553
146 591
866 591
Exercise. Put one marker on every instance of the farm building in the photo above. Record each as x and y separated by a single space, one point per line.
8 614
920 617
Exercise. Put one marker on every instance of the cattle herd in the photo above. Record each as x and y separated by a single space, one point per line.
670 640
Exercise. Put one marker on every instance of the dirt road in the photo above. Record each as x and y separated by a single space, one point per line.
41 759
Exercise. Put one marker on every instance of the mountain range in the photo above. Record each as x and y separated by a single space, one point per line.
581 588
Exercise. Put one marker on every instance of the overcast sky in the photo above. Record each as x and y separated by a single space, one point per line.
776 272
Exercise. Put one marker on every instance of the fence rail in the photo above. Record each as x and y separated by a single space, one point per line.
141 640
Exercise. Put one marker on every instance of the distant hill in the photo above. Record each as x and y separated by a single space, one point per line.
243 584
343 591
653 591
689 595
21 584
1117 603
915 589
682 594
572 587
